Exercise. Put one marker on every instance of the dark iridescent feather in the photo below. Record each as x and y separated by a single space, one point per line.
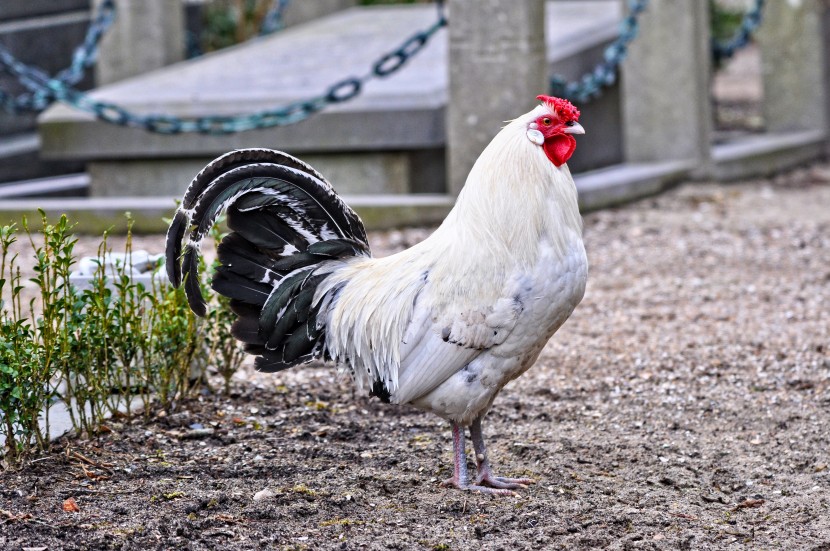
238 256
264 229
287 318
285 219
247 331
338 248
237 158
192 288
277 301
239 288
295 346
173 255
270 364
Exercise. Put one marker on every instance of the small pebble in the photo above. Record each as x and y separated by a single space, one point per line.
263 495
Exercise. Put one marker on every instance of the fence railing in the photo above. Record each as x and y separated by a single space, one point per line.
43 89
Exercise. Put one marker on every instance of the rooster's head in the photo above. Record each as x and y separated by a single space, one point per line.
554 129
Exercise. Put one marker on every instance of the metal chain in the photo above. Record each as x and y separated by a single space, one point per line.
40 83
590 85
273 20
82 59
752 20
43 89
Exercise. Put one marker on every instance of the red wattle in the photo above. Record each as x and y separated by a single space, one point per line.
559 148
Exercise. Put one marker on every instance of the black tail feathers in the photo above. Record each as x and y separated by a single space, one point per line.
286 223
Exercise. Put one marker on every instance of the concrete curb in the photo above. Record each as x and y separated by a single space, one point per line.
747 157
152 214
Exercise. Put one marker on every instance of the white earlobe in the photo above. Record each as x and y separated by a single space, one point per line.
535 136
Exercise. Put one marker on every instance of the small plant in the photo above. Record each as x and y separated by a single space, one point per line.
229 22
97 350
20 360
223 350
724 20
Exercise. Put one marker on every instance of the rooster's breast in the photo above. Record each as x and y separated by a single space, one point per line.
544 296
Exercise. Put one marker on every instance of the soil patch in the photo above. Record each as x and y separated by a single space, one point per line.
684 406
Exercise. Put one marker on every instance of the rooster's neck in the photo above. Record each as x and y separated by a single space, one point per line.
514 197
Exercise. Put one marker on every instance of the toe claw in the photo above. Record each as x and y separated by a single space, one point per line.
503 482
492 490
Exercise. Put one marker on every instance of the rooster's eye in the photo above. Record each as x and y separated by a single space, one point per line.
546 121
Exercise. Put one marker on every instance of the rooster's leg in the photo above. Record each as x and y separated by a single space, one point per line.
485 475
459 475
459 478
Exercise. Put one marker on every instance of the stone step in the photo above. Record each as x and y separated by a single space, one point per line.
19 9
402 115
20 159
766 154
72 185
619 184
597 189
152 214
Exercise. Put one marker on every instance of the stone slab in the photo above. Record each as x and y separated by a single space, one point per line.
146 35
792 43
387 172
404 111
497 65
72 185
665 84
20 159
597 189
19 9
615 185
767 154
151 214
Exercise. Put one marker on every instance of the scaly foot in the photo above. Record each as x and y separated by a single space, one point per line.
503 482
453 483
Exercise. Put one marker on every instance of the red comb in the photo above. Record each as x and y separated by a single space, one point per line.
565 109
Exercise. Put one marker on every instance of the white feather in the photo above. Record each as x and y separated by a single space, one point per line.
391 315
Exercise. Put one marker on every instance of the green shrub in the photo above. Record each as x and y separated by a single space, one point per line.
99 350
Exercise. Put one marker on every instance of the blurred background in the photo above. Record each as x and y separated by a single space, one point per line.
120 102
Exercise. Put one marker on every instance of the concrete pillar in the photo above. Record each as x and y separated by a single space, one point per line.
793 65
497 68
667 113
300 12
825 34
146 35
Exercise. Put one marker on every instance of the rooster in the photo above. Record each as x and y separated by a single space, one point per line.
442 326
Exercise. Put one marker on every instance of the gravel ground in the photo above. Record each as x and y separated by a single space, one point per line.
685 405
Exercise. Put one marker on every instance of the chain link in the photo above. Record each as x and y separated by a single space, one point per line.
752 20
41 85
43 89
39 98
273 21
590 85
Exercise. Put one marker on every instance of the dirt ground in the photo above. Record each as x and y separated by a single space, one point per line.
685 405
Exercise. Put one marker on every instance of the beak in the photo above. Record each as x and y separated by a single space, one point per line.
575 129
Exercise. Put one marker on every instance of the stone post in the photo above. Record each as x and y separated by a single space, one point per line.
497 68
146 35
667 114
793 44
300 12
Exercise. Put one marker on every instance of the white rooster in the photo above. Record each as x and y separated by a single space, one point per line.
442 326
